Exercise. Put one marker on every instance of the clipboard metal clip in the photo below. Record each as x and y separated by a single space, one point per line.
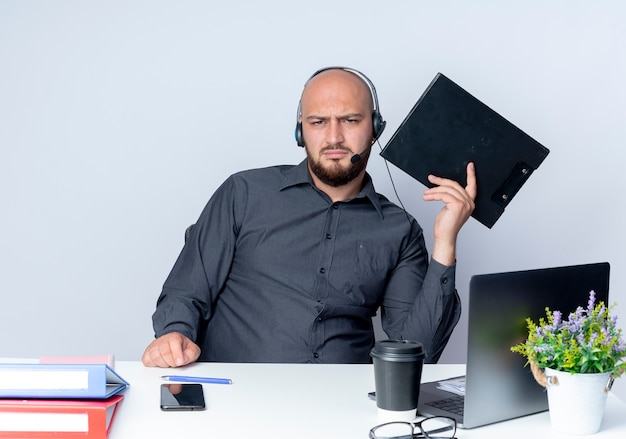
516 179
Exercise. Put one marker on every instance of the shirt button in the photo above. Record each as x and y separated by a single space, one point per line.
335 206
444 280
322 270
329 236
316 355
319 319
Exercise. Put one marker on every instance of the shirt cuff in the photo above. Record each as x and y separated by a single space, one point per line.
445 276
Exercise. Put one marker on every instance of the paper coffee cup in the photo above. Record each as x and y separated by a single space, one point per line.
397 374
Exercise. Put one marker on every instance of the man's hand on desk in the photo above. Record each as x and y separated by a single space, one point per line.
170 350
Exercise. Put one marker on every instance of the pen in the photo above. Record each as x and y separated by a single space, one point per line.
188 379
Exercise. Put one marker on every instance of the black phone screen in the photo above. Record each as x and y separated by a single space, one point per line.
176 396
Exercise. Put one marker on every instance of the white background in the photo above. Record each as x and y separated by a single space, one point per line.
119 118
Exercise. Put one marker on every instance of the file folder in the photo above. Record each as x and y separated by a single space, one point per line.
37 380
66 419
108 359
448 128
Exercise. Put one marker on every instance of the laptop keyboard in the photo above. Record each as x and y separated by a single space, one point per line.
453 404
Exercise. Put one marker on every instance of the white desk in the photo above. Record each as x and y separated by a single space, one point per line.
295 401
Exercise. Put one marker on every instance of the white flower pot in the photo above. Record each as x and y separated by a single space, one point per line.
576 402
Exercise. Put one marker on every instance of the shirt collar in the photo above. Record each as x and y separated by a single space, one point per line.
300 175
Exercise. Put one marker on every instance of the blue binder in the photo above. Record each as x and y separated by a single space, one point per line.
36 380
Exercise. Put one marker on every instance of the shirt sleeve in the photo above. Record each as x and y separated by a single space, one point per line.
190 290
421 302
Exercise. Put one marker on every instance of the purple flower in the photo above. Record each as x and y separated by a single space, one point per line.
619 347
592 301
588 340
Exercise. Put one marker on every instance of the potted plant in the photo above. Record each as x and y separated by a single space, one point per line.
576 359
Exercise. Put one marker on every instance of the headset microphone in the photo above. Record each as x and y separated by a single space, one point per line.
356 157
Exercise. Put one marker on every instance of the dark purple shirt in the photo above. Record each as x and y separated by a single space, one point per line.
274 271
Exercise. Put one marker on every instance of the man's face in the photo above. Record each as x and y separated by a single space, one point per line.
337 124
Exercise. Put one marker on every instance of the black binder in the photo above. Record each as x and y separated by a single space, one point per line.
448 128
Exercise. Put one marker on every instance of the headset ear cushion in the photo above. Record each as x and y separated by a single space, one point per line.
298 134
378 124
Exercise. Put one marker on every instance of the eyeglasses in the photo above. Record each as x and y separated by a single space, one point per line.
437 427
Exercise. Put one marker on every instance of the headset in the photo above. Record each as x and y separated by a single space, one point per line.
378 123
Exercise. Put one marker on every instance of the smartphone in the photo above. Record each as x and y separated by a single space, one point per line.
175 396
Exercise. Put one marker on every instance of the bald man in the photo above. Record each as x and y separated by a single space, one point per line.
290 263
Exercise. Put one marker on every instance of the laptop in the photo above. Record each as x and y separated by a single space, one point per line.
498 385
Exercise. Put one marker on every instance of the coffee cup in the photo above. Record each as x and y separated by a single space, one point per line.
397 375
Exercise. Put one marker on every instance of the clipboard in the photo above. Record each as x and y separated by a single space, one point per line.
448 128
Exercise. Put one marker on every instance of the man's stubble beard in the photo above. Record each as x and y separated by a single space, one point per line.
336 175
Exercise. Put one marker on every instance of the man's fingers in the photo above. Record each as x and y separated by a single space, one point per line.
170 350
173 355
471 188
